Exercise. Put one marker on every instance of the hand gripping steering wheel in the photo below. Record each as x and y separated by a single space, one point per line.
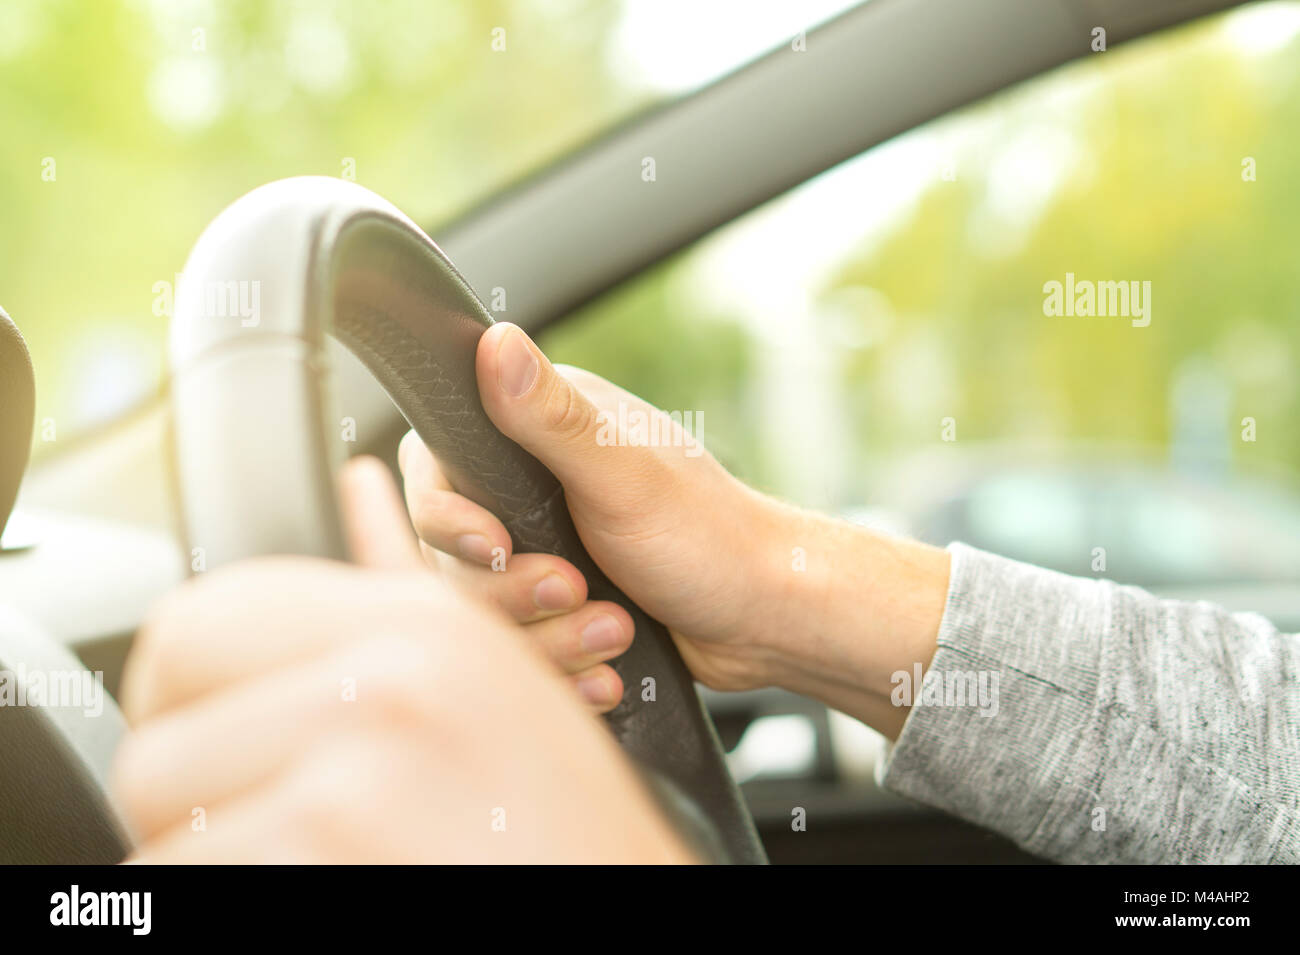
255 446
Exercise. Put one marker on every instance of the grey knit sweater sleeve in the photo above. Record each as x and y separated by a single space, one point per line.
1115 726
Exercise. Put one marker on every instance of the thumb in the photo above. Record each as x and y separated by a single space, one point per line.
378 531
536 406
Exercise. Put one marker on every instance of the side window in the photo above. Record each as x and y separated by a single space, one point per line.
1070 303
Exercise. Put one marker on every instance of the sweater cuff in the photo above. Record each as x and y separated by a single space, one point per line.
992 734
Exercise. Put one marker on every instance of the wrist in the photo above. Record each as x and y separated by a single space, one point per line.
839 609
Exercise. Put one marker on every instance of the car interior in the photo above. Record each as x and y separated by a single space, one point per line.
794 256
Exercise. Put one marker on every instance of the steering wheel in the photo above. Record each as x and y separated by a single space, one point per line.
301 259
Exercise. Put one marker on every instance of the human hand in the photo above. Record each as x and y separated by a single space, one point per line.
754 592
300 710
667 523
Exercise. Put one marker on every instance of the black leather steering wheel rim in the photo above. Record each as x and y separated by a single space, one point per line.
255 449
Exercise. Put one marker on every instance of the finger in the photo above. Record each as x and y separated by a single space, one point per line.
602 392
444 519
246 831
348 798
416 462
577 641
213 630
599 687
439 561
374 521
535 586
218 748
539 408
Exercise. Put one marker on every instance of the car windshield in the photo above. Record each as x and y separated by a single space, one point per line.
129 124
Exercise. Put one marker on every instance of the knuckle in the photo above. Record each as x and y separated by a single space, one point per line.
398 681
130 779
565 645
430 514
162 640
157 649
502 591
566 412
347 778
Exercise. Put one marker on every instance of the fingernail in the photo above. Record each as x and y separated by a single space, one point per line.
603 633
516 364
554 593
595 690
475 547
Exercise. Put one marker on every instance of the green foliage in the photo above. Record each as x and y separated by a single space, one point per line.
1155 192
154 128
